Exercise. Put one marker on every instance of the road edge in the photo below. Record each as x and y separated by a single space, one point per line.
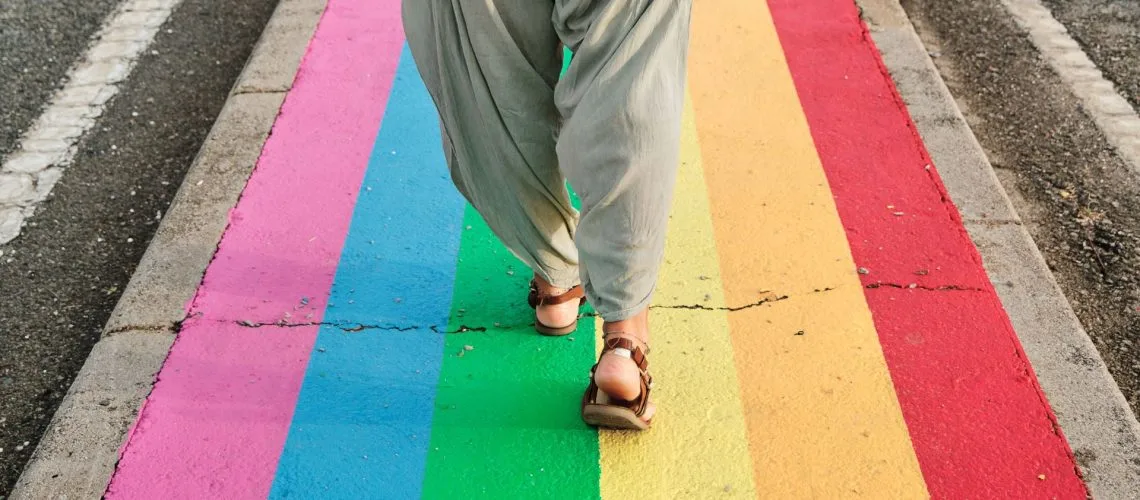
77 454
1093 414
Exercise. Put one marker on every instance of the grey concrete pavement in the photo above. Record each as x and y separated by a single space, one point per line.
170 270
61 278
78 454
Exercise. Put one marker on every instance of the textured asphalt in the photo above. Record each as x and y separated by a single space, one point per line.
1109 32
60 279
39 41
1080 201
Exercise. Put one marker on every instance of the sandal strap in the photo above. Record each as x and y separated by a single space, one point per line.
629 347
537 298
637 351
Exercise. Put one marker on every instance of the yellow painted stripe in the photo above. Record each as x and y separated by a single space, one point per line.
698 447
822 416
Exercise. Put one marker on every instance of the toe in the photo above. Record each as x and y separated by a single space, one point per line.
650 411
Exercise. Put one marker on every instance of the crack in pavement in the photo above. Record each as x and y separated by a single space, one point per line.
702 307
359 327
915 286
164 328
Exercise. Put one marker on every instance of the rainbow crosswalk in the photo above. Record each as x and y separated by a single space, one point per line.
362 334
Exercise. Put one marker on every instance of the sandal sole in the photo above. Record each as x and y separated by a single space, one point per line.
555 332
613 417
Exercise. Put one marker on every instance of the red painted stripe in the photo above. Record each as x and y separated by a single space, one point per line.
980 425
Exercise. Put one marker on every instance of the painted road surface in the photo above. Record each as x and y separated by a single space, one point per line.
823 327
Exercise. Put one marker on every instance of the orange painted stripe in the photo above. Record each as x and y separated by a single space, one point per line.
822 416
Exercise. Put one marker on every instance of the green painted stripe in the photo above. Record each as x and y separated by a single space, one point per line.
506 422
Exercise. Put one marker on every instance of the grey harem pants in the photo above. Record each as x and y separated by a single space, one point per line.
514 132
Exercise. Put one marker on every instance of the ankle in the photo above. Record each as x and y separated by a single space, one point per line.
636 326
546 288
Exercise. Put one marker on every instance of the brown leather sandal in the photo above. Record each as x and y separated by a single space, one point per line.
602 410
537 299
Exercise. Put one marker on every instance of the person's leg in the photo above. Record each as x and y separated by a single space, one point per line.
621 100
491 67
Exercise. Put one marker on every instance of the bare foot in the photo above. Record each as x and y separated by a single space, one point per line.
555 315
618 376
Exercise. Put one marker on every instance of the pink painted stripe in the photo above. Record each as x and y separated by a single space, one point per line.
217 420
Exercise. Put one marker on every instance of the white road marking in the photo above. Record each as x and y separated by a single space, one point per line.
1111 112
29 173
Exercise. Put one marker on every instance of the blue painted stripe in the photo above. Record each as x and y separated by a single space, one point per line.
363 418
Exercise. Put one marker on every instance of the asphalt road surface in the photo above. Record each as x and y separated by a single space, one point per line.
1109 32
39 41
60 279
